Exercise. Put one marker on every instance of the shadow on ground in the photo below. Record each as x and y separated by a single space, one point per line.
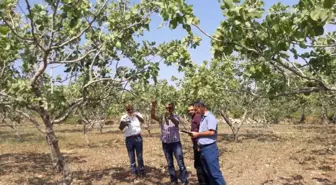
292 180
119 175
9 136
37 166
252 135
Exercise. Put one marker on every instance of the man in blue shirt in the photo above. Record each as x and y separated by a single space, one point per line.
207 136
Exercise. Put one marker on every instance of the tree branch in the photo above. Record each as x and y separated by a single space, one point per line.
299 74
82 32
14 32
103 79
206 34
41 69
226 118
74 60
91 67
66 114
53 24
33 27
31 119
300 91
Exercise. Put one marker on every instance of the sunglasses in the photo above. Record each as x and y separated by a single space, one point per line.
168 107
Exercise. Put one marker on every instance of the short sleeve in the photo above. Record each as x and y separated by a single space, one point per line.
176 117
139 114
212 122
123 117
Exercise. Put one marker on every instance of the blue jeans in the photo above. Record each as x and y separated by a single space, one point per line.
201 176
175 149
134 145
210 162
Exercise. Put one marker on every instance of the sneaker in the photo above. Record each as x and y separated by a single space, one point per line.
174 183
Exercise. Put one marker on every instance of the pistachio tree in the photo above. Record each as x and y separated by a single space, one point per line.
85 44
289 43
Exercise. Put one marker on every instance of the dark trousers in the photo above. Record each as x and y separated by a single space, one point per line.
134 146
210 162
200 172
175 149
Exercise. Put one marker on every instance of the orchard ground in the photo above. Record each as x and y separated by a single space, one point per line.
278 154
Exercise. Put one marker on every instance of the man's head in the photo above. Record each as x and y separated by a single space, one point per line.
129 108
200 107
191 110
170 107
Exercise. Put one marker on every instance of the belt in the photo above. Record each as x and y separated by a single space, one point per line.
202 146
132 136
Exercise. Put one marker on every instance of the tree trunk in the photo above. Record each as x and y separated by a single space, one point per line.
85 135
235 128
56 155
324 115
101 126
52 141
148 123
303 118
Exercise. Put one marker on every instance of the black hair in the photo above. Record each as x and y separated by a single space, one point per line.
199 103
172 104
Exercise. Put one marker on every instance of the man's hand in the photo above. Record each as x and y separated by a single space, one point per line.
123 124
167 115
194 135
134 114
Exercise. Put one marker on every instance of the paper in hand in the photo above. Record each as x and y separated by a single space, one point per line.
187 132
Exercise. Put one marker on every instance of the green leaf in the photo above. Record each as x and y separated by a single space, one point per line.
329 3
303 45
118 45
228 4
173 24
4 30
315 15
318 30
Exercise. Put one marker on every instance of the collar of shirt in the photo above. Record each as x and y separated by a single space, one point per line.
205 115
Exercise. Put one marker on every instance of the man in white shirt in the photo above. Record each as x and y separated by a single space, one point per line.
130 123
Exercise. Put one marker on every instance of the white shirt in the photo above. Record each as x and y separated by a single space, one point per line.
134 127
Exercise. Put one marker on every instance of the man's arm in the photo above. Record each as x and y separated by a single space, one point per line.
153 112
139 116
212 128
203 134
122 124
175 120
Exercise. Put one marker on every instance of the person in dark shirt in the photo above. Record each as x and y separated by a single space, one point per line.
195 124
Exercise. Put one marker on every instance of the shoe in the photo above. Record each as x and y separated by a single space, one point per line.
133 176
142 174
185 183
174 183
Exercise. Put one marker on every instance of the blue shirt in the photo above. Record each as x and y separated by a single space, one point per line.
208 122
